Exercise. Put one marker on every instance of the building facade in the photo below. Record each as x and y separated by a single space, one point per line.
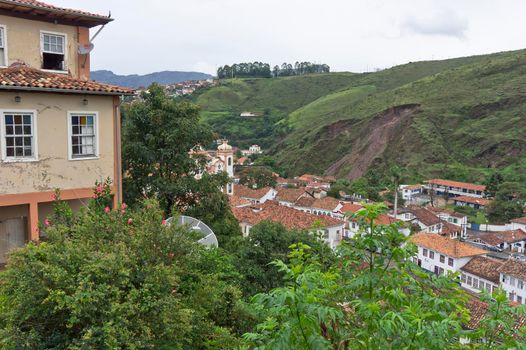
58 129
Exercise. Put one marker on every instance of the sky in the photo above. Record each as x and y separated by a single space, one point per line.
348 35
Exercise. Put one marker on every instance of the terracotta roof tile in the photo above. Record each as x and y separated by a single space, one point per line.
514 268
236 201
446 246
326 203
496 238
449 228
425 216
486 268
305 202
289 194
246 192
43 6
21 77
450 183
473 200
521 221
478 310
350 208
288 217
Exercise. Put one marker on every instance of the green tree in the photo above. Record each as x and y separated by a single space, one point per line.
269 241
257 177
508 203
493 183
373 297
119 280
158 133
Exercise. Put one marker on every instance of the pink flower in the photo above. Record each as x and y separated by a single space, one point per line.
171 254
107 210
124 206
99 189
130 221
53 197
164 222
46 222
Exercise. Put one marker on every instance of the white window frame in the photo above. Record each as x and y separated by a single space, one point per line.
4 41
96 128
65 35
3 146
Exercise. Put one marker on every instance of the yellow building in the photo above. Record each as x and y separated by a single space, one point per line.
58 129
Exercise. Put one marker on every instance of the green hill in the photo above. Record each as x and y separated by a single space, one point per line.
456 118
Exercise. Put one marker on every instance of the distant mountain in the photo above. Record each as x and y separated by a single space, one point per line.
135 80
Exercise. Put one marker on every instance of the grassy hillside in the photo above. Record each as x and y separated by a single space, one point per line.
457 117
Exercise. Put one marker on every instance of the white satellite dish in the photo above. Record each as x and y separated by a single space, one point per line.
208 237
86 48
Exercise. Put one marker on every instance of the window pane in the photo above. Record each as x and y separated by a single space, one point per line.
27 152
2 57
10 152
18 141
27 141
27 130
75 130
18 130
9 130
9 141
18 119
27 119
9 119
19 152
74 120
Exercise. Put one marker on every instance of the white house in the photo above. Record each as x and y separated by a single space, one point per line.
454 188
255 196
289 196
330 229
513 240
513 280
440 254
425 219
481 273
519 223
476 203
411 191
451 217
328 206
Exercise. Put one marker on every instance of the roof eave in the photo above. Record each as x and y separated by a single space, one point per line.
64 91
81 19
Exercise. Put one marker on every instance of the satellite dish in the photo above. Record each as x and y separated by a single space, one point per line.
208 237
86 48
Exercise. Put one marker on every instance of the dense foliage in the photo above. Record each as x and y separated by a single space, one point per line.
119 279
262 70
257 177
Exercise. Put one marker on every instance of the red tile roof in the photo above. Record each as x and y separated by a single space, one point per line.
478 310
467 199
305 202
21 77
289 194
350 208
288 217
246 192
325 203
458 184
446 246
521 221
453 213
514 268
236 201
425 216
47 12
486 268
496 238
449 228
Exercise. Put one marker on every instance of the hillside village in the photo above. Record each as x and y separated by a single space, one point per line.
126 219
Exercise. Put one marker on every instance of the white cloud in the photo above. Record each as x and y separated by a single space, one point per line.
444 22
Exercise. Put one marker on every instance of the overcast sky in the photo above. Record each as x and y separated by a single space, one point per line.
349 35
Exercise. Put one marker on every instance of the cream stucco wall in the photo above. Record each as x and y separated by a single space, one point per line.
53 169
23 41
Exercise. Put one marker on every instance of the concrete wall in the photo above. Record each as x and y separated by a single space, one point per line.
53 169
23 41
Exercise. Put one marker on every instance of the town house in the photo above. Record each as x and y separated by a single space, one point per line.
58 129
454 188
513 280
440 254
481 273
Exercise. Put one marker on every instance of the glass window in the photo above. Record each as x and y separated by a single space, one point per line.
53 43
475 282
83 136
450 261
431 254
463 278
442 258
18 133
424 252
53 51
3 58
469 280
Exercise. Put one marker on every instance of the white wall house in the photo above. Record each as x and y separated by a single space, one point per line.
481 274
454 188
513 240
519 223
439 254
513 280
409 192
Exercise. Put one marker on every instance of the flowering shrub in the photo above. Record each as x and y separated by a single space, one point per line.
102 195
